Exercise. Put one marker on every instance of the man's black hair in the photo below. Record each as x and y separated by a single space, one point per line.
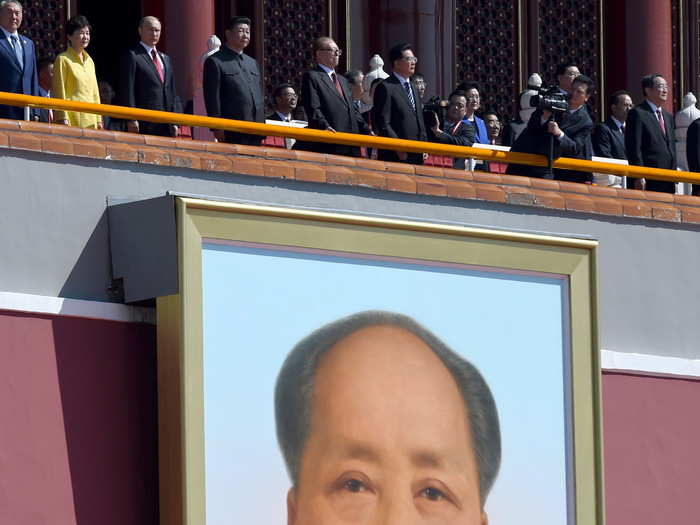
278 90
561 68
237 20
396 52
43 63
615 97
648 82
353 76
583 79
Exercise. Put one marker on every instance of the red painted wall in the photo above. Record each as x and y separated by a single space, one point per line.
78 428
77 421
652 449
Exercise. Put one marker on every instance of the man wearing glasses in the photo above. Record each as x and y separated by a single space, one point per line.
327 98
398 111
649 135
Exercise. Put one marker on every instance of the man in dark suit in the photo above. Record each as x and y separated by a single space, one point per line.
232 84
146 78
454 130
692 151
398 111
609 136
571 136
327 99
285 99
649 135
44 67
17 59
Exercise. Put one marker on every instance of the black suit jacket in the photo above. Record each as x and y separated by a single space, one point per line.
140 87
647 146
692 151
608 140
325 108
465 135
393 116
576 143
232 89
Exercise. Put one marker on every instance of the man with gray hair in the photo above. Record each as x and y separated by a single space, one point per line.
380 422
17 59
146 80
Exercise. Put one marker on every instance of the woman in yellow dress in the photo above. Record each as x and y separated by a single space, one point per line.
74 76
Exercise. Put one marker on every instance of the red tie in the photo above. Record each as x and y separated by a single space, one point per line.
337 85
158 65
661 120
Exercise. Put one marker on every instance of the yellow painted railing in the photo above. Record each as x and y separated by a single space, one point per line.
349 139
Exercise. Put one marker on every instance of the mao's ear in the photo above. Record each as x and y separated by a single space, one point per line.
484 518
291 507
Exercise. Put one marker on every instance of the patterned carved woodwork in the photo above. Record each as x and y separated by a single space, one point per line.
485 51
43 21
570 30
290 28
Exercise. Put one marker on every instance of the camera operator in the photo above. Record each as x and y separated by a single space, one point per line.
569 135
454 130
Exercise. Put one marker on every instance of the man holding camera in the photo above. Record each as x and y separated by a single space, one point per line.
569 136
454 131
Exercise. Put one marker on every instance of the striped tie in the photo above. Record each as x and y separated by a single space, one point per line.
409 92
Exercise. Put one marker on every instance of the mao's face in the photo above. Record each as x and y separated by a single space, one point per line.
389 441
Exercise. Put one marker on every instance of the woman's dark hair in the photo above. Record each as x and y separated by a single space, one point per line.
75 23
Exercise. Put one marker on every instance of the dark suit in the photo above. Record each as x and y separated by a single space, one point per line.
15 78
609 140
394 117
463 135
692 146
576 143
141 87
326 108
232 89
647 145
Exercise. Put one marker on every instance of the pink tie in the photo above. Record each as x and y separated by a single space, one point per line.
661 121
158 65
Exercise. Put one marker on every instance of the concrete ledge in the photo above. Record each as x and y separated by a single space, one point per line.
331 169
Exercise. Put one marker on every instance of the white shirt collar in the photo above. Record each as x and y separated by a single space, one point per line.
149 49
403 80
283 116
328 70
8 34
653 106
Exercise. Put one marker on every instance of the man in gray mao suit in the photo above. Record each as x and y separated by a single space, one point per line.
232 84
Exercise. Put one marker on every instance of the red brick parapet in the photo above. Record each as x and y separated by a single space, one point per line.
333 169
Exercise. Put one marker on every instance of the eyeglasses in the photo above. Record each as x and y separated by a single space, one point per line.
333 51
410 60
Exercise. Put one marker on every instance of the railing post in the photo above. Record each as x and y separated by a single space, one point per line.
27 113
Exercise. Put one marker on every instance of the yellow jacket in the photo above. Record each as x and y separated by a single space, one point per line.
74 79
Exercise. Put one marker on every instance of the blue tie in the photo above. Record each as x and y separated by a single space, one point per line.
409 92
18 50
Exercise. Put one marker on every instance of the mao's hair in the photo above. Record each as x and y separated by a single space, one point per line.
295 389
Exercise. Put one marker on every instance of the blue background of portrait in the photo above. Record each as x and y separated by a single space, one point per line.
258 303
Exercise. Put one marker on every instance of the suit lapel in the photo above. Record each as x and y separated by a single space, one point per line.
25 52
618 137
326 80
148 61
404 95
7 48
